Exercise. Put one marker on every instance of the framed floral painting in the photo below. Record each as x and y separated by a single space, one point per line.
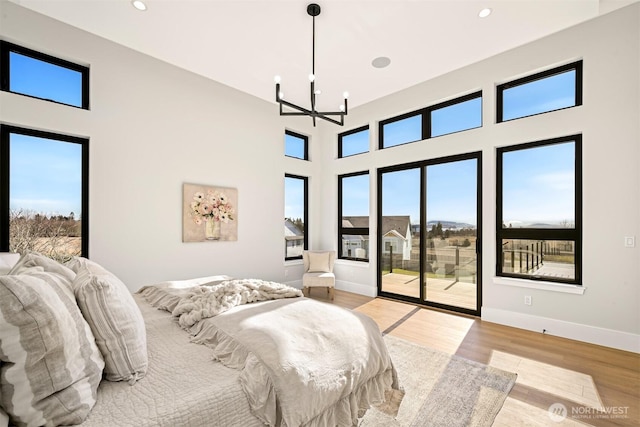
209 213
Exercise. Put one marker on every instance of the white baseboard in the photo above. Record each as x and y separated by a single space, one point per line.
575 331
357 288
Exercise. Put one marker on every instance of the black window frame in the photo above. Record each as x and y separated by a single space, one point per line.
6 48
350 231
557 234
305 138
347 133
577 66
5 140
305 215
426 119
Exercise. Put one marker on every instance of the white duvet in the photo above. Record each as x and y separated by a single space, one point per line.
301 362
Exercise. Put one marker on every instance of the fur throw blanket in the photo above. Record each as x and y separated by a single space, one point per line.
208 301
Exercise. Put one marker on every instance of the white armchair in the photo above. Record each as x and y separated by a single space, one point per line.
318 271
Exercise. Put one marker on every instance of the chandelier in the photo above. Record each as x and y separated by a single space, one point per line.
313 10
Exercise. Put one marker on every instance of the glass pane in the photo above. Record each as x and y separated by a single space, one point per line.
44 80
294 146
539 258
355 214
538 187
294 207
355 143
355 246
451 260
402 131
400 262
540 96
457 117
45 196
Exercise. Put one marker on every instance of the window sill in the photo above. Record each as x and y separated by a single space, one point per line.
353 263
534 284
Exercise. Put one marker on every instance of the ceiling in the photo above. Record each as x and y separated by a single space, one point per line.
244 44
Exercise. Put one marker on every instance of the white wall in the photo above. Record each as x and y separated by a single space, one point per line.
153 126
609 120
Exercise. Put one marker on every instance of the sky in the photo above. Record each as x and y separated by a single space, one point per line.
538 183
45 175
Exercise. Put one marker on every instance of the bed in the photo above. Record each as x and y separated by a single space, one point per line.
217 351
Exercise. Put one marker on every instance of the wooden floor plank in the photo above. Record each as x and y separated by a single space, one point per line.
553 369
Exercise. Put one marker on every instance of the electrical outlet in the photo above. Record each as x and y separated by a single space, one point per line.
629 242
527 300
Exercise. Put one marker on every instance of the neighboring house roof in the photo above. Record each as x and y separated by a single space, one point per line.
397 224
290 230
355 221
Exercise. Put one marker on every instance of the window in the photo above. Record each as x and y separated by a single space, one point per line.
539 215
401 130
296 145
35 74
456 115
355 141
295 215
353 216
540 93
43 195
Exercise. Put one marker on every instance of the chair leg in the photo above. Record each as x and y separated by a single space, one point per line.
305 292
331 295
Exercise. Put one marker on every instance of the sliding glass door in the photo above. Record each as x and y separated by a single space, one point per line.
429 218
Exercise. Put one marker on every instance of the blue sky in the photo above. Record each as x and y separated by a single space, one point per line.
45 175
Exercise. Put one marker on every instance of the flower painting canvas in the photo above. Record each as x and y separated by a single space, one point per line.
209 213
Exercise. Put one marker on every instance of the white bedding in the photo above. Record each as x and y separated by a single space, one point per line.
301 362
182 387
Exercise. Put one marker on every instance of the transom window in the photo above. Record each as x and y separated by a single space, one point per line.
539 93
539 214
296 145
42 76
456 115
353 142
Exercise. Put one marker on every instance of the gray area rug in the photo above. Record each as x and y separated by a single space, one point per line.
442 389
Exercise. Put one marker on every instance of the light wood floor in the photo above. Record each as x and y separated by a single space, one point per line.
551 370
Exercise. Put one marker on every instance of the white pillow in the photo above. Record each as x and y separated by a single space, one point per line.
7 261
115 320
319 262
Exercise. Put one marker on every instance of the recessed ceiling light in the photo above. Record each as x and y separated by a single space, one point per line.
484 12
139 4
381 62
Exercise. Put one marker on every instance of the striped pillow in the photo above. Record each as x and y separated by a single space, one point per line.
31 261
50 366
115 320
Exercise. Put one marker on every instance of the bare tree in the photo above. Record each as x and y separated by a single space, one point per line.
55 237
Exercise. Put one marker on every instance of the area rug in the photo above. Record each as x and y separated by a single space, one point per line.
442 389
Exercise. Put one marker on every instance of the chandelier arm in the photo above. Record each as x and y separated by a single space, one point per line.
295 107
329 119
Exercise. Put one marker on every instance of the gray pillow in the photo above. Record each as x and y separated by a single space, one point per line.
50 366
114 318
